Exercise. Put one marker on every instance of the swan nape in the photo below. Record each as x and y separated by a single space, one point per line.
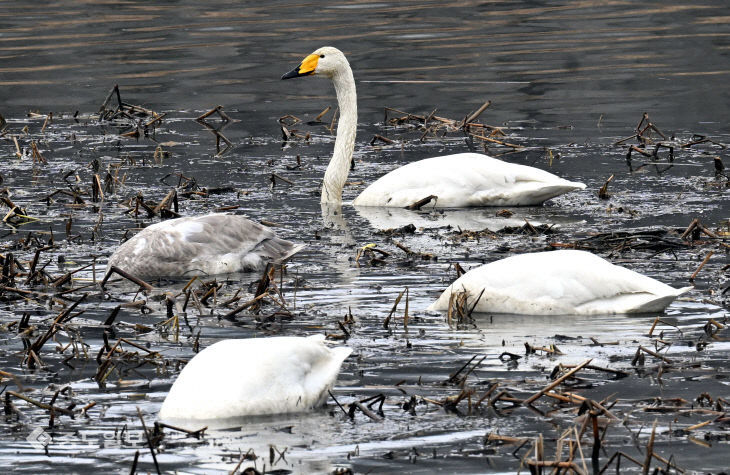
562 282
457 181
255 376
210 244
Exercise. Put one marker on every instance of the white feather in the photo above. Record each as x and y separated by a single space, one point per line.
565 282
465 180
255 376
461 180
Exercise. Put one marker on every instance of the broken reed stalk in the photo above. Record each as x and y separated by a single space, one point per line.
702 264
695 228
97 190
194 433
555 383
47 407
246 305
149 442
603 192
321 114
423 202
380 138
498 142
650 352
216 109
386 322
358 405
649 450
129 277
60 319
476 114
170 198
617 455
133 470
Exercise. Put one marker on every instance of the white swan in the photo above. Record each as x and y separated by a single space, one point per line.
201 245
255 376
565 282
460 180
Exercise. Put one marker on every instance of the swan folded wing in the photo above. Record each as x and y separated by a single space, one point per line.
452 180
548 297
520 185
234 378
210 244
464 180
631 302
559 283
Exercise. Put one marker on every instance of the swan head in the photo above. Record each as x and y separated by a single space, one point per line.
326 61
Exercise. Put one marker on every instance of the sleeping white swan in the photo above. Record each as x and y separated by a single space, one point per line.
255 376
201 245
566 282
460 180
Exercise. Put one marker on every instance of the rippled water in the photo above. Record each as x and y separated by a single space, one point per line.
566 82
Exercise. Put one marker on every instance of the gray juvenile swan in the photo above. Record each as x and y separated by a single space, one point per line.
458 181
201 245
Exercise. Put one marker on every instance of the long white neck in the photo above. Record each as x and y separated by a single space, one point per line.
339 167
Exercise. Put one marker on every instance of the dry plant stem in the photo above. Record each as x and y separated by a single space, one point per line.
618 455
136 280
321 114
649 450
498 142
555 383
380 138
603 192
149 443
337 402
476 113
386 322
133 470
654 354
195 433
422 202
374 417
704 261
246 305
218 110
61 318
47 407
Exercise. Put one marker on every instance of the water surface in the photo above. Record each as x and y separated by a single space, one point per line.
566 81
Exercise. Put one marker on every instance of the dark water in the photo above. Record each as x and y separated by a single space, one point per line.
566 81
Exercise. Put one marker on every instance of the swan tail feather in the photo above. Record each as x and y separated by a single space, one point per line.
277 250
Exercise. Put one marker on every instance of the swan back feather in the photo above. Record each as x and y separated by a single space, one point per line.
559 282
201 245
465 180
255 376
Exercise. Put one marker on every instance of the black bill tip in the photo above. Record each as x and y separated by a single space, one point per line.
294 73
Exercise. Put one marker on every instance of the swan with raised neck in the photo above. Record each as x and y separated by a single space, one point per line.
454 181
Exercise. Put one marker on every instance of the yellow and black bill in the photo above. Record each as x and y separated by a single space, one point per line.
308 66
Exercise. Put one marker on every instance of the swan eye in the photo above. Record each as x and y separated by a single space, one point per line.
321 56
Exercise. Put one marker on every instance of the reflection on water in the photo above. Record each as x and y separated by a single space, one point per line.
466 219
566 81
